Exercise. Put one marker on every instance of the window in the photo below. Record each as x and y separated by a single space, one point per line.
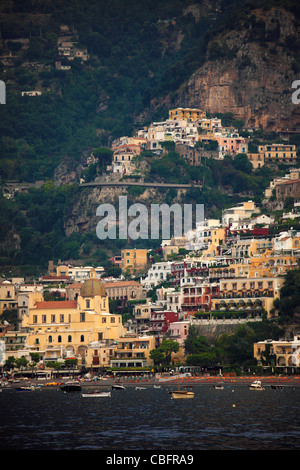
82 316
103 319
59 339
50 339
69 339
87 303
44 319
82 338
52 318
112 320
34 318
62 318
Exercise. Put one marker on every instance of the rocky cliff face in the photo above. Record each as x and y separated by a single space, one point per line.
249 72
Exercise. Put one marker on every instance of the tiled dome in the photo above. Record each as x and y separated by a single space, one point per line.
92 287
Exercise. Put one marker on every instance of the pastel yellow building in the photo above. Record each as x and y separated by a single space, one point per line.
257 159
133 260
248 293
271 264
285 353
81 328
134 351
278 153
189 114
7 296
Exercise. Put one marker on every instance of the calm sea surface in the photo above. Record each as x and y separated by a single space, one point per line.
231 419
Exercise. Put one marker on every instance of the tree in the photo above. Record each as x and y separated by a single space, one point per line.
21 362
10 362
204 359
104 156
195 343
289 301
167 347
157 356
162 354
242 163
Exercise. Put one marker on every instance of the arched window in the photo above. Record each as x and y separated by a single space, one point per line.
70 339
59 339
87 303
50 339
82 338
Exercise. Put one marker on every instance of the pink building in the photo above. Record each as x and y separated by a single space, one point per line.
232 144
179 331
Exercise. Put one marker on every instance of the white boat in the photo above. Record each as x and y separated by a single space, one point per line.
156 386
118 387
219 387
256 385
140 388
181 393
95 394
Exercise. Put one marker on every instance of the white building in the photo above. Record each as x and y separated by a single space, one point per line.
200 237
243 210
157 274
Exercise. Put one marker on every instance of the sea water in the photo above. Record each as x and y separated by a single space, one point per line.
234 418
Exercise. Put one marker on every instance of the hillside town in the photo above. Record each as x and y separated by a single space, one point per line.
220 275
196 138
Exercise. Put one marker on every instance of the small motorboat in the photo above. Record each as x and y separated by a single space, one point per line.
182 394
30 388
118 387
219 387
256 385
96 394
140 388
71 387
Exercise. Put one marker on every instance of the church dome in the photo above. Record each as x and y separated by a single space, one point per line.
92 287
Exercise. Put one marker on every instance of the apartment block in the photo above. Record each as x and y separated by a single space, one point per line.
133 351
133 259
189 114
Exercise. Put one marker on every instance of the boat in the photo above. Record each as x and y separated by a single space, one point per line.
256 385
96 394
140 388
71 387
280 387
219 387
156 386
118 387
181 393
30 388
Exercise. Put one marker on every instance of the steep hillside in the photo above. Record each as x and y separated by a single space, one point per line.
143 58
249 69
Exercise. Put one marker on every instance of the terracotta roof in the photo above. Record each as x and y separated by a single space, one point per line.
121 283
288 182
75 285
55 277
57 304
